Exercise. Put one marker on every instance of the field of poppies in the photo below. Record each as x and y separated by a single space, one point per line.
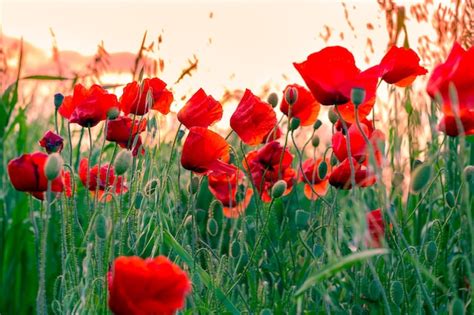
101 213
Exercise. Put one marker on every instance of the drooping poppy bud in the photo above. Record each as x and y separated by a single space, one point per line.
53 166
52 142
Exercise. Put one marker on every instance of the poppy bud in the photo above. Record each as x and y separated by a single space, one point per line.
278 189
332 116
420 177
450 200
266 311
357 96
469 174
294 124
138 201
322 169
318 123
180 135
301 218
235 249
212 227
151 187
113 113
123 162
457 307
273 99
58 100
315 141
416 163
333 160
101 228
396 292
291 95
53 166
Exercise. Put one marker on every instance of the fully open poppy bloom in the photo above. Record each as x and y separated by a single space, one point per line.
97 180
146 286
341 175
126 133
314 184
375 227
458 71
52 142
205 151
134 97
359 149
200 110
228 189
87 107
306 107
27 174
265 168
253 119
400 66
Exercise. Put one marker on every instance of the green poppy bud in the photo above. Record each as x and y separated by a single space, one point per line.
332 116
450 200
357 96
151 187
101 227
469 174
180 135
456 307
53 166
113 113
396 292
431 250
212 227
235 249
273 99
123 162
420 177
294 124
315 141
318 123
193 185
278 189
58 100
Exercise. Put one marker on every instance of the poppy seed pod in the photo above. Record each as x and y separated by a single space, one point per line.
291 95
469 174
332 116
420 177
113 113
357 96
58 100
278 189
53 166
123 162
322 169
315 141
294 124
396 292
273 99
317 124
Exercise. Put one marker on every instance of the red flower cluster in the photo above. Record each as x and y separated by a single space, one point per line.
101 180
452 84
27 174
267 165
146 286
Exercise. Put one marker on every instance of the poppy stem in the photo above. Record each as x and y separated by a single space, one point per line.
41 304
229 134
280 174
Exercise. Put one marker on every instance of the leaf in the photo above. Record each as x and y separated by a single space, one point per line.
46 78
333 268
205 278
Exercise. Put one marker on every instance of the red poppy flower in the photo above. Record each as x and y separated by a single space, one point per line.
331 74
359 149
253 119
97 180
52 142
458 71
376 228
306 107
449 126
146 286
134 97
27 174
126 133
200 110
87 107
264 167
228 189
400 66
205 151
341 175
314 186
